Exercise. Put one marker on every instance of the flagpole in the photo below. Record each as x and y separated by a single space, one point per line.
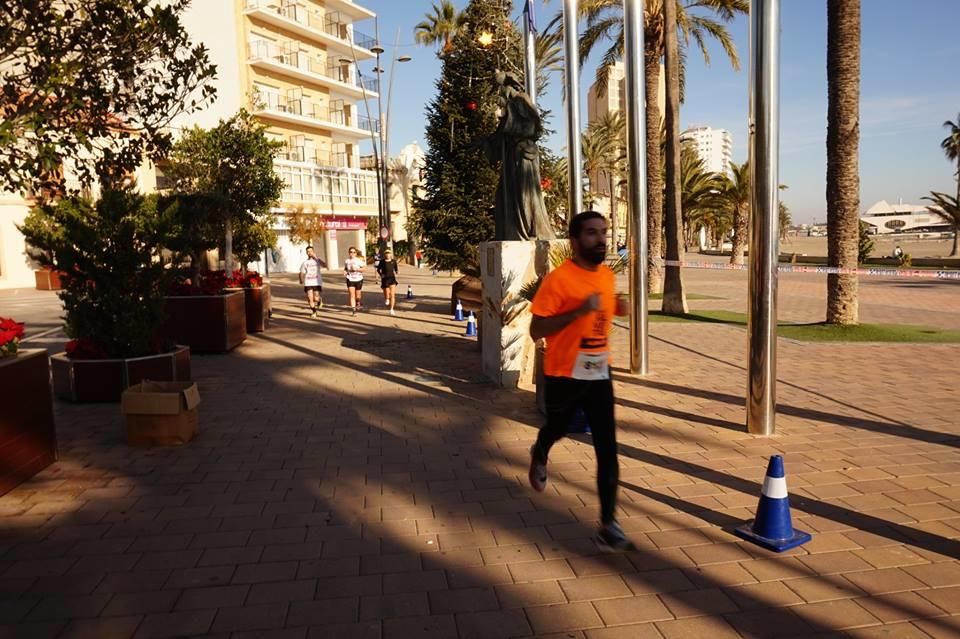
530 51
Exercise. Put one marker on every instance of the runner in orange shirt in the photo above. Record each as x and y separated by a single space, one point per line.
573 309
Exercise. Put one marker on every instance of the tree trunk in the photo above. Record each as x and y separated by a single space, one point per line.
228 246
654 179
956 242
613 211
740 218
674 299
843 142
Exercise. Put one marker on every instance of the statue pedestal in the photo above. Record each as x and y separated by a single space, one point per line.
508 352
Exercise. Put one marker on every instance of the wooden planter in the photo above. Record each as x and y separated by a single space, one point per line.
48 280
207 323
28 438
104 380
257 303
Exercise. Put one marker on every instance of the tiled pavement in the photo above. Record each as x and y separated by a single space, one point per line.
355 477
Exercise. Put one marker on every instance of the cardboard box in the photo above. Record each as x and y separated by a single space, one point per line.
161 413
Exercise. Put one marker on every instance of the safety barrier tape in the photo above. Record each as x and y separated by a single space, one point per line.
793 268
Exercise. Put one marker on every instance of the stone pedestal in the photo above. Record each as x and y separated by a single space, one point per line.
505 267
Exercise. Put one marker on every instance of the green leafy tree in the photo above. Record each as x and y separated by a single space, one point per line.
98 80
455 212
108 253
233 162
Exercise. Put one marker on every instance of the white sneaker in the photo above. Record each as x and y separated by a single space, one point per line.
391 312
387 304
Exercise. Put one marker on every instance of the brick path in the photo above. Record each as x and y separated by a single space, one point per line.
356 478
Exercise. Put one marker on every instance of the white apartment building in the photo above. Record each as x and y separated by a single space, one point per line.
714 146
293 64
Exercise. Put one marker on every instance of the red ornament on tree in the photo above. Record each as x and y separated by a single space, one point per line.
471 106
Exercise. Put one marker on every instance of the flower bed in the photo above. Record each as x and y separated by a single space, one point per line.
11 333
83 375
256 299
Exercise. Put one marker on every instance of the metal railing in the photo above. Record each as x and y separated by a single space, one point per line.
368 124
328 23
300 106
303 61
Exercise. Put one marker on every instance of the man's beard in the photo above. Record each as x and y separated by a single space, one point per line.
595 254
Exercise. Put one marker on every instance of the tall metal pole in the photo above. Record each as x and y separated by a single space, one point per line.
386 142
529 52
764 207
637 171
373 136
378 49
571 34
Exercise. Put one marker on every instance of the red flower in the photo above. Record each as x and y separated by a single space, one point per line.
10 330
84 348
546 183
254 280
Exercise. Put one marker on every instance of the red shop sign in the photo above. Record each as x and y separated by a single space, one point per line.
345 223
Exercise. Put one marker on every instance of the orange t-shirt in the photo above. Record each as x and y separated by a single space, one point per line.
581 350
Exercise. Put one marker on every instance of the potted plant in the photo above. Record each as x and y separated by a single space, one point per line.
47 279
207 313
256 295
28 441
108 253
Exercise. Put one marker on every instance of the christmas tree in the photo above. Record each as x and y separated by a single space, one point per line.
455 213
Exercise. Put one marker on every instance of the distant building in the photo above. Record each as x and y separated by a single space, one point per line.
714 146
884 217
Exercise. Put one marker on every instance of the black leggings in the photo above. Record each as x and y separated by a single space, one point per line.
564 396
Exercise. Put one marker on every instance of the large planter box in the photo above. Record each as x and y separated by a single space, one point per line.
28 438
48 280
207 323
257 304
104 380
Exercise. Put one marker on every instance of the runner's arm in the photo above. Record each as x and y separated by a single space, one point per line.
541 327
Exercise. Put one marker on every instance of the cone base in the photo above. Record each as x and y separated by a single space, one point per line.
745 531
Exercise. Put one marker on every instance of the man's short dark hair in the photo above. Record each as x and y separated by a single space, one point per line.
308 248
576 224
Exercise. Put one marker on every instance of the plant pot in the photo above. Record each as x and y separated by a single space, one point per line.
257 304
48 280
104 380
28 437
207 323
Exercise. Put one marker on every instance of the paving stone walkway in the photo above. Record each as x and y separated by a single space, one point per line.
357 478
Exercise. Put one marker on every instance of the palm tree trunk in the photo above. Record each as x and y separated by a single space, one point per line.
739 245
956 242
843 147
654 179
674 300
613 209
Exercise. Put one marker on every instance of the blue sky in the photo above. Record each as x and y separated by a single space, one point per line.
909 54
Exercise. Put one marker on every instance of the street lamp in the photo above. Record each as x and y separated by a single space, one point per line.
385 129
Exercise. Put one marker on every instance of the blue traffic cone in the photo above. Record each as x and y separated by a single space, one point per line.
458 313
471 325
409 292
772 527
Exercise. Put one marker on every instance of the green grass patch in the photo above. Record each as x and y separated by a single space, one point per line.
690 296
820 332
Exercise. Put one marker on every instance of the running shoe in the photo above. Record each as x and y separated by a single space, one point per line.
391 312
611 538
538 471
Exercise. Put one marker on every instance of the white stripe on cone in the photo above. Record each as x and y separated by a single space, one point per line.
775 487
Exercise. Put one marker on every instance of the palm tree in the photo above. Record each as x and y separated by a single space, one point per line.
596 145
674 299
614 128
951 148
548 48
735 196
439 27
605 22
843 147
698 188
947 207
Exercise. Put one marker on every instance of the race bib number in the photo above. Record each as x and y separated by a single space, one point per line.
591 366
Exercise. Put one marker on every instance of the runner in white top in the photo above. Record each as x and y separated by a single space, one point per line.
353 270
312 281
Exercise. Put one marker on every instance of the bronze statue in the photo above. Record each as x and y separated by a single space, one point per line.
520 213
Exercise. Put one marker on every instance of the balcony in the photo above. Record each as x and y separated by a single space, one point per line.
304 112
310 24
324 159
290 61
306 183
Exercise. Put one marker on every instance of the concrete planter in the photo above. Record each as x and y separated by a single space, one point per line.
104 380
28 437
207 323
